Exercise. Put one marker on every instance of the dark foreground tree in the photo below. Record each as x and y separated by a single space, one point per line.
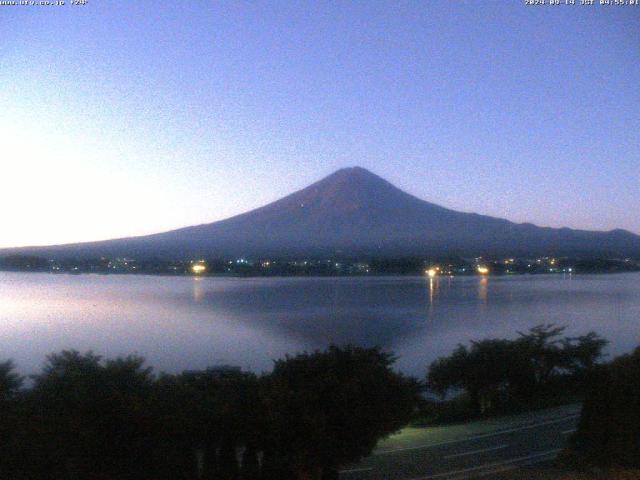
207 417
327 409
582 353
10 383
540 346
85 418
497 373
485 371
609 428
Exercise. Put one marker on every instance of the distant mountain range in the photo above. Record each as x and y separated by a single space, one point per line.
353 212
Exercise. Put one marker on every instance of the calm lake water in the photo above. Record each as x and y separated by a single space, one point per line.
182 323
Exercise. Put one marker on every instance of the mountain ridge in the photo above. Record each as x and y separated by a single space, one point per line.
354 212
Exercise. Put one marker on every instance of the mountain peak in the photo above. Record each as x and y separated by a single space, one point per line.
353 173
354 178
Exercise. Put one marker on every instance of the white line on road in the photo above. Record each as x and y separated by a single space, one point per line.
353 470
483 435
567 432
472 452
490 465
491 471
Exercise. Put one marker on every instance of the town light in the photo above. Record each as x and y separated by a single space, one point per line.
432 272
483 270
198 268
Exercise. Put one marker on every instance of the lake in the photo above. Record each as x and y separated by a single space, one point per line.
182 323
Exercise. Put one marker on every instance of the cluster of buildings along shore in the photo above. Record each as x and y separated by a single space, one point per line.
324 267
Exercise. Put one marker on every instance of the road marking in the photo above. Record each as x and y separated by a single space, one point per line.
472 452
567 432
492 471
353 470
490 465
483 435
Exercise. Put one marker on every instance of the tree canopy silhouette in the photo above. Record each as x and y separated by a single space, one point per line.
85 417
498 372
609 428
327 409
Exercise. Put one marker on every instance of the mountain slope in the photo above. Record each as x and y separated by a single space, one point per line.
354 212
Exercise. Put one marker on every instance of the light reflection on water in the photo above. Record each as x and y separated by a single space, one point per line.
183 322
483 289
198 289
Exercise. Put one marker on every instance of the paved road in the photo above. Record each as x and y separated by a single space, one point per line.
479 449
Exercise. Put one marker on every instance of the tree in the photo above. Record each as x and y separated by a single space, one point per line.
500 373
446 373
327 409
541 347
488 372
583 352
609 427
91 417
10 381
226 414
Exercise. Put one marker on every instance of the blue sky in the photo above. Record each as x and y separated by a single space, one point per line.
121 118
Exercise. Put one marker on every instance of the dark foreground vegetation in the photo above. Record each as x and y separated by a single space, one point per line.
87 418
609 429
84 418
539 369
536 370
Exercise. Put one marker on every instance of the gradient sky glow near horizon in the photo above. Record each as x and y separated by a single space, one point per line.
123 118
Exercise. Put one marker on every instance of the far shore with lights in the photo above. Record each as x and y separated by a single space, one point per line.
278 267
